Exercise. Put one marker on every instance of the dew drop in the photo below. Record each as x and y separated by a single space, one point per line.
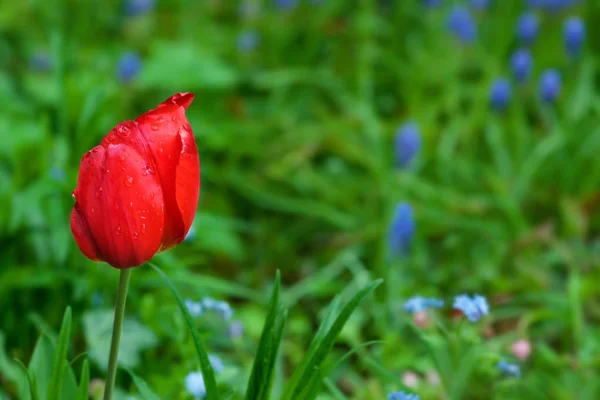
116 207
129 181
97 193
93 210
143 197
136 235
124 130
143 217
74 194
154 127
161 149
118 230
174 118
143 228
131 204
160 119
112 138
122 158
151 195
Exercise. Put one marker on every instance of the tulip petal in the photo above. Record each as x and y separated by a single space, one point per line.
120 197
171 144
83 235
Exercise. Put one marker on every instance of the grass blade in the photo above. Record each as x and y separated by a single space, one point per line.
259 384
84 382
60 357
30 380
314 360
212 392
143 387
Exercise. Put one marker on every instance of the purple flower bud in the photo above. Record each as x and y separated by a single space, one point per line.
550 85
521 63
574 32
527 28
407 143
128 67
500 94
461 24
402 229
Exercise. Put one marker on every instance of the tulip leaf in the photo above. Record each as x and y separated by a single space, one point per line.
212 392
60 357
30 380
308 376
143 387
84 381
259 385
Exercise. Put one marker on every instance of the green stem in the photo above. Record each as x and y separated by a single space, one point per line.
116 334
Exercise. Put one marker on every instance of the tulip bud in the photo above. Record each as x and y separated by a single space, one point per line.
137 192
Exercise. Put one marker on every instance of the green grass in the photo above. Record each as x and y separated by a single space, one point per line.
296 147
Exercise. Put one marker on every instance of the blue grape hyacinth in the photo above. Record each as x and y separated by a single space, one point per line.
285 4
402 229
500 94
138 7
574 33
474 308
461 24
407 143
527 28
550 85
194 384
509 369
480 4
418 303
128 67
402 396
431 3
521 64
247 41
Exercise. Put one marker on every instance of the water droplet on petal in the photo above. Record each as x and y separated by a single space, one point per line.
129 181
124 130
116 207
154 127
122 158
112 138
160 119
93 210
174 118
131 204
118 230
136 235
74 194
143 228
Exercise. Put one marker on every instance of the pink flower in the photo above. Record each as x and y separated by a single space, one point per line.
521 349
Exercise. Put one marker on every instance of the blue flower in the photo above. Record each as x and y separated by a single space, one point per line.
480 4
402 229
220 307
461 23
285 4
247 41
474 308
216 363
236 329
418 303
574 32
407 143
194 383
527 28
550 85
521 63
195 309
553 5
128 66
431 3
500 94
402 396
138 7
40 62
509 369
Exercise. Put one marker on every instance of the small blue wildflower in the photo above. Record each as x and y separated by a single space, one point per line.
40 62
138 7
407 143
236 329
220 307
521 63
402 229
402 396
247 41
500 94
418 303
555 5
480 4
216 363
472 307
194 383
195 309
574 33
128 66
285 4
550 85
431 3
527 28
461 23
509 369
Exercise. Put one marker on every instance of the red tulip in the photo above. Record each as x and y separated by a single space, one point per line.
138 190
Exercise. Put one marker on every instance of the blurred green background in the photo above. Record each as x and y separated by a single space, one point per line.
296 111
